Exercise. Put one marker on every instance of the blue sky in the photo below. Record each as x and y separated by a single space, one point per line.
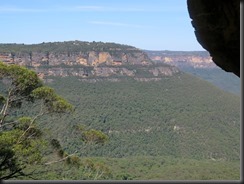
145 24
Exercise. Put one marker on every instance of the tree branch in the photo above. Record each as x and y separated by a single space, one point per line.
5 124
33 120
11 175
20 98
5 107
60 160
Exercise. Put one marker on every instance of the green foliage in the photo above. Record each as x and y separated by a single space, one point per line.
220 78
142 168
68 47
74 160
55 143
2 99
26 124
20 147
170 168
19 80
21 142
45 93
8 163
52 101
141 118
3 70
94 136
177 128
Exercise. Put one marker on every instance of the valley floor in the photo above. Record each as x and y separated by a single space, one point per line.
143 168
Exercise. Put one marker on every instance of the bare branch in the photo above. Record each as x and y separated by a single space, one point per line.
100 175
29 137
12 174
5 107
30 125
60 160
20 98
5 124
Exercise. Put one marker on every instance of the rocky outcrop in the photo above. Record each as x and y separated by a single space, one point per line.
166 71
72 53
109 71
217 29
196 59
106 71
84 60
90 58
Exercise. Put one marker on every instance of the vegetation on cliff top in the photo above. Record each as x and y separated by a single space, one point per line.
67 46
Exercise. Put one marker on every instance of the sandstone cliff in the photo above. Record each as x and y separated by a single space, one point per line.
72 53
85 60
196 59
137 71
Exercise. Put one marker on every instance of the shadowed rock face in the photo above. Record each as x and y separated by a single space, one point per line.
217 29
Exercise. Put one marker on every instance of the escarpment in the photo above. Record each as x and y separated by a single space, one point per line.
83 59
72 53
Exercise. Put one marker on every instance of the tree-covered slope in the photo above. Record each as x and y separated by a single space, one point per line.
61 47
181 116
178 127
225 81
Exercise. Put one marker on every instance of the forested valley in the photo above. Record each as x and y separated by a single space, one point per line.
146 126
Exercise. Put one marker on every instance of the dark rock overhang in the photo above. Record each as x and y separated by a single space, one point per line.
217 29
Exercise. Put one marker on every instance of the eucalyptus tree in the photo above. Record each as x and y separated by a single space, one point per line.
21 141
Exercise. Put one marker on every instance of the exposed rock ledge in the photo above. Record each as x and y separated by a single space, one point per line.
105 71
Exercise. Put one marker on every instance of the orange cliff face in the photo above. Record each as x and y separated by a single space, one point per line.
6 58
83 59
90 58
